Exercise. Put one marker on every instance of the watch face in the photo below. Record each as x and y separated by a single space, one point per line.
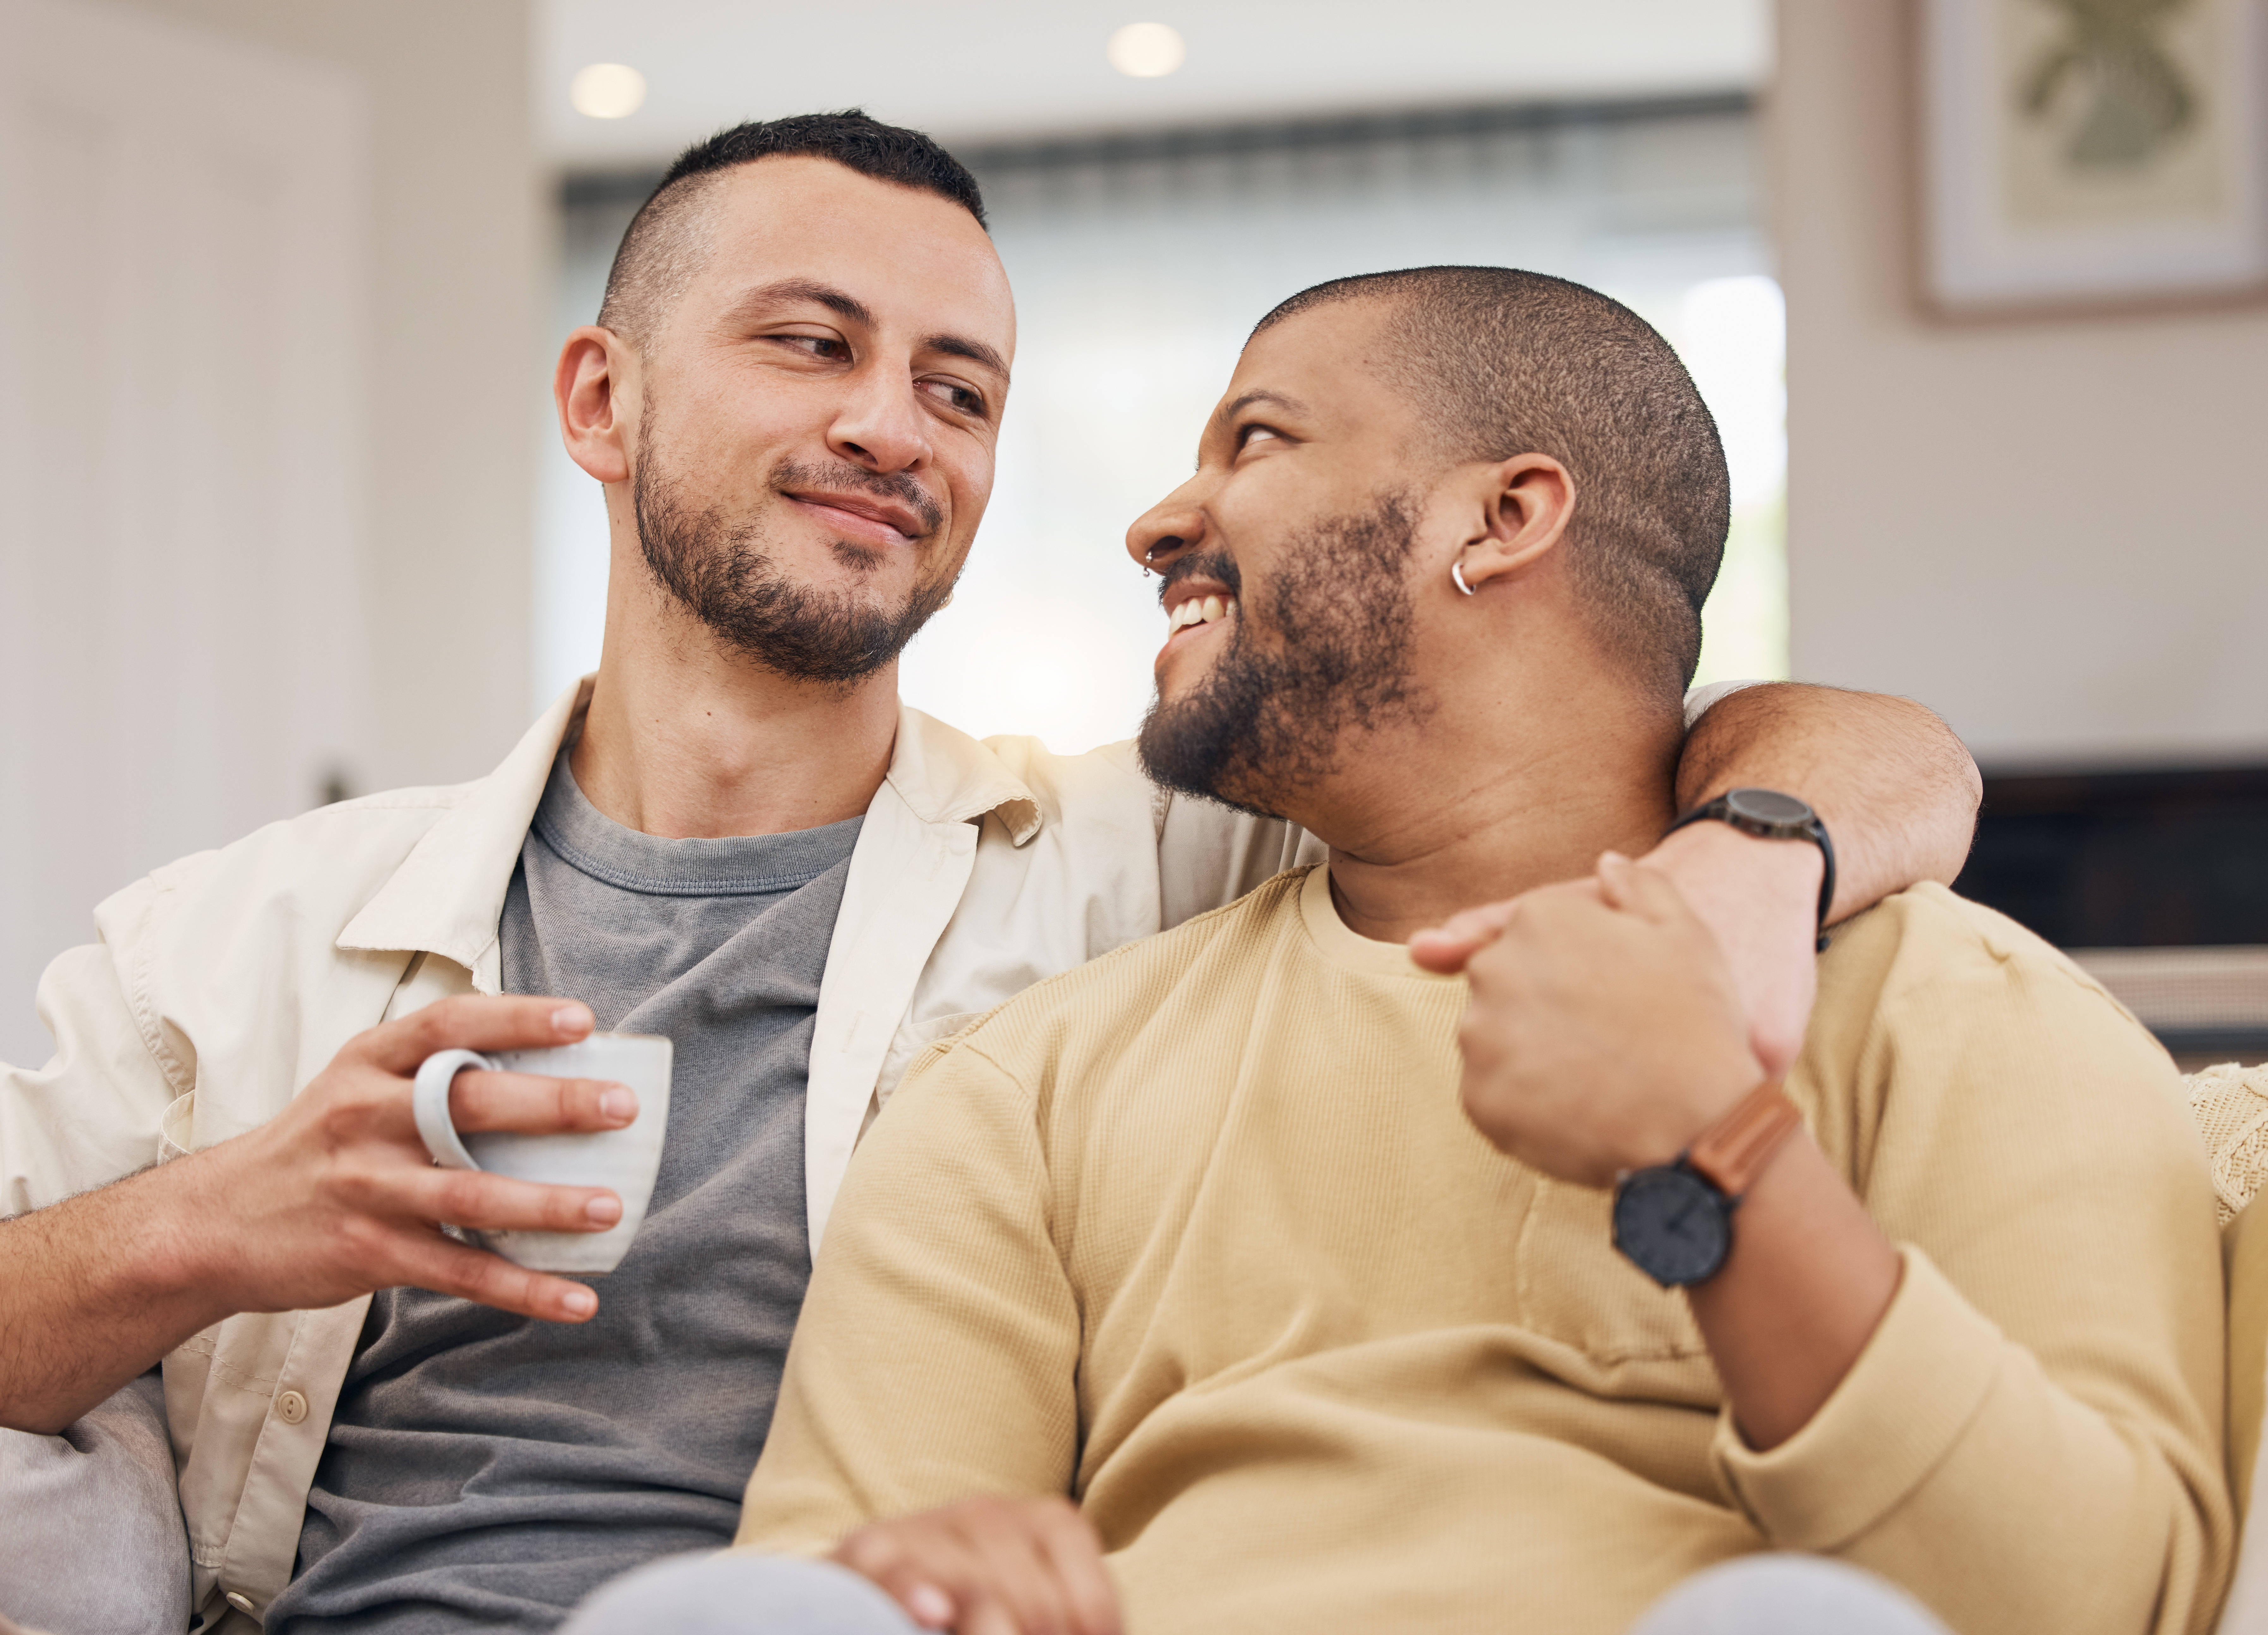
1673 1224
1768 809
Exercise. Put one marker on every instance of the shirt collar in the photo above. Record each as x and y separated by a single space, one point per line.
446 896
947 777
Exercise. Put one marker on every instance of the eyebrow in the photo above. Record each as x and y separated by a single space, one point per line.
974 351
843 304
840 302
1229 410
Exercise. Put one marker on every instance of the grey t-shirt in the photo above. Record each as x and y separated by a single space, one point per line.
486 1471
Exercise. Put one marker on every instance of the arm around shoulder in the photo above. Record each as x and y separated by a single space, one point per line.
1897 790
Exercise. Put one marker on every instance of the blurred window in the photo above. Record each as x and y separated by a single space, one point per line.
1140 263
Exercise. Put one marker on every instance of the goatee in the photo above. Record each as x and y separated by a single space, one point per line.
716 566
1264 725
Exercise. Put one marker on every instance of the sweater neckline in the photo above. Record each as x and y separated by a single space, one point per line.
1349 949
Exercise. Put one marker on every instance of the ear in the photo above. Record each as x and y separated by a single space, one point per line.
1527 503
595 390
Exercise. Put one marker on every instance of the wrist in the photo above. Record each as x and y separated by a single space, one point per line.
1712 1089
183 1249
1708 860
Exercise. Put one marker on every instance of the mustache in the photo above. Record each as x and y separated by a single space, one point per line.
838 475
1211 565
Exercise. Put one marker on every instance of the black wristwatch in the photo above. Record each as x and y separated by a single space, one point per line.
1771 815
1675 1221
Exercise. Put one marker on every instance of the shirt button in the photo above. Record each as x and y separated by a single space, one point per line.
241 1602
291 1407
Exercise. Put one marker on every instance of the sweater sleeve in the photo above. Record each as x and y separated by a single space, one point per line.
2031 1440
937 1356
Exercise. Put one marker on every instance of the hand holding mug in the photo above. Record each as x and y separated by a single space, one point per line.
337 1196
624 1160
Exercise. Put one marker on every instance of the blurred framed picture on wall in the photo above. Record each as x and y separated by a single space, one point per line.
2082 154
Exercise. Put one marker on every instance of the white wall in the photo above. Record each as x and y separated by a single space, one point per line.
457 376
183 446
269 277
2051 532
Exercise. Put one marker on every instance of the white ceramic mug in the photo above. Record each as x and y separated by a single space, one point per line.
623 1160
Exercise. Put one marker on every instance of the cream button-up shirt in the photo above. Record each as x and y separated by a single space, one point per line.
222 984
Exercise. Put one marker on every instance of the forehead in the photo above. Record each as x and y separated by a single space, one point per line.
915 258
1327 358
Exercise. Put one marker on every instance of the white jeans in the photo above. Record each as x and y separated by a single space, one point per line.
754 1595
92 1540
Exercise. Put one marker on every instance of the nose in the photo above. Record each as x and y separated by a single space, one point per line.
1174 525
881 425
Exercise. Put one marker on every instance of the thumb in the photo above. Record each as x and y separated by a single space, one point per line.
1635 889
1448 947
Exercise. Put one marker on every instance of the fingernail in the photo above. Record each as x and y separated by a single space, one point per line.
571 1018
606 1209
619 1105
579 1302
929 1605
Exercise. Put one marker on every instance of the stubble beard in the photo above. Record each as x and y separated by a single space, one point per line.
1263 726
717 567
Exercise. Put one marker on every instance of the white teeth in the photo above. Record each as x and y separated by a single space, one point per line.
1200 610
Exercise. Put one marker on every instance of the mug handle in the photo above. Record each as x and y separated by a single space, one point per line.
429 1104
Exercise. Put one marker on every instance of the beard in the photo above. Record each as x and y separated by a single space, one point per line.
1262 726
717 567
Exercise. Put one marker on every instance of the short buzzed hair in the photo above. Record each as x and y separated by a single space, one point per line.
1500 363
662 249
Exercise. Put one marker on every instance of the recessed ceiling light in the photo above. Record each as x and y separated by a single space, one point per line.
607 91
1146 50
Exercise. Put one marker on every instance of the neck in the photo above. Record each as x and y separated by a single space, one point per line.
688 738
1463 812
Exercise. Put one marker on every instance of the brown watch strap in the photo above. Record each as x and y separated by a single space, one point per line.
1731 1153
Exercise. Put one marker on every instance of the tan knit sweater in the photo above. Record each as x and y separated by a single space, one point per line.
1199 1234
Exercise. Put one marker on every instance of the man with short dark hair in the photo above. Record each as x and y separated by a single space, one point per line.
733 835
1270 1274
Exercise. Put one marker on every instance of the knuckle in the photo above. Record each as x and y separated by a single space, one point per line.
428 1028
362 1242
461 1197
467 1280
355 1189
341 1116
872 1549
579 1102
564 1213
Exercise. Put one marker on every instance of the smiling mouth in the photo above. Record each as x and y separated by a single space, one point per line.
866 519
1195 612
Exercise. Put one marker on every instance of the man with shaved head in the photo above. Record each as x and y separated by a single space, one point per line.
1309 1267
733 835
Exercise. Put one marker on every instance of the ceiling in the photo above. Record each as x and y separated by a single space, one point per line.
980 70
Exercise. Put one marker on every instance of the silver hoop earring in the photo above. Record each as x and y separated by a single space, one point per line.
1457 574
